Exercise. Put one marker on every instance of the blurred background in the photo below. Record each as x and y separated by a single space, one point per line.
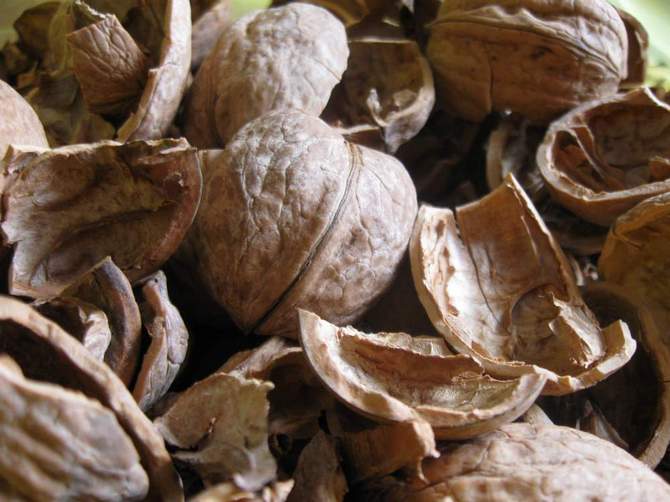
654 15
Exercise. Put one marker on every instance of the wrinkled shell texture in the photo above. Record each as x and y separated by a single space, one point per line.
604 157
525 462
279 59
42 423
68 208
387 378
495 283
535 57
289 190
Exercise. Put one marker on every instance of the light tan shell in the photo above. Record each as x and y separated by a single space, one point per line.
278 59
84 321
228 492
387 85
604 157
60 445
219 426
391 378
45 352
19 125
530 463
207 28
538 58
169 343
70 207
107 287
294 216
496 284
319 475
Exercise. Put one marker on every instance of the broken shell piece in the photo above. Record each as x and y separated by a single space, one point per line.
41 423
498 287
248 74
388 84
86 322
638 45
319 475
605 156
385 449
19 125
219 426
70 207
107 287
527 462
228 492
47 353
385 378
169 343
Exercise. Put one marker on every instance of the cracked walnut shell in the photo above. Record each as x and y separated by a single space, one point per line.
295 216
497 286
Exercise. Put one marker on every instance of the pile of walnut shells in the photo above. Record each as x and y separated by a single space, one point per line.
366 250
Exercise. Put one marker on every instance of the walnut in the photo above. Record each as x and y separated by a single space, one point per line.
534 57
605 156
497 286
41 423
45 352
294 216
393 377
70 207
350 12
106 69
283 58
209 21
526 462
20 124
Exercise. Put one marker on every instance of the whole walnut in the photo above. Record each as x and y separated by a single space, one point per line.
288 57
539 58
295 216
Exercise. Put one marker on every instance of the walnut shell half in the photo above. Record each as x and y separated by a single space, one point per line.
19 125
604 157
538 58
389 377
70 207
498 287
295 216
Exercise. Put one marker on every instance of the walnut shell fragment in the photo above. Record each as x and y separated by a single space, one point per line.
228 492
319 475
533 463
498 287
219 426
533 57
70 207
388 85
59 444
604 157
19 125
126 61
389 378
295 216
284 58
107 287
47 353
86 322
169 343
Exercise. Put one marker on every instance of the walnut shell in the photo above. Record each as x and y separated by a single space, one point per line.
294 216
498 287
207 28
390 378
19 125
604 157
47 353
68 208
535 57
350 12
278 59
387 85
530 463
